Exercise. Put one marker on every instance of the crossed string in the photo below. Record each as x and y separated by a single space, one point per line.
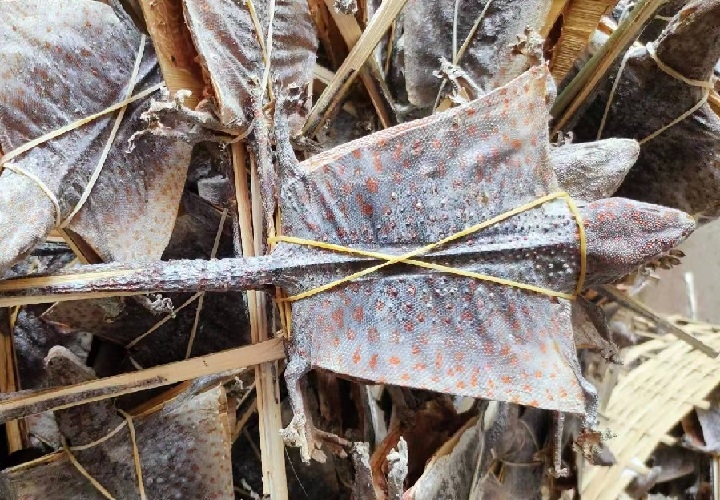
122 106
706 85
407 258
136 456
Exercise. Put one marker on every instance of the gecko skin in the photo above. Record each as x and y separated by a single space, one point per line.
419 182
405 187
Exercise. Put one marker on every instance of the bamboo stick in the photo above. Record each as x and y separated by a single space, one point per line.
267 386
28 402
175 51
351 33
349 69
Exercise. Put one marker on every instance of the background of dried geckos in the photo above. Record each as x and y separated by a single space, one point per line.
185 171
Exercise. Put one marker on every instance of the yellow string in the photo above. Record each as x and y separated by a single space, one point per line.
5 159
136 456
407 258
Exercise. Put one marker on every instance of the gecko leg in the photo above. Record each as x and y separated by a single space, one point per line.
300 432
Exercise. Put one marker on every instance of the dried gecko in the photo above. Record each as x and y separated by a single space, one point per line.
403 188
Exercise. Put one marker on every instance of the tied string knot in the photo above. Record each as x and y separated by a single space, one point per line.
136 456
60 221
707 87
407 258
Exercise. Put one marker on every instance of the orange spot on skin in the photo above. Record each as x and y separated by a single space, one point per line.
358 314
357 153
373 335
351 335
491 383
338 317
373 362
471 111
336 341
365 208
505 350
419 366
534 403
563 393
405 377
538 374
439 360
356 356
394 360
461 385
436 143
505 379
459 356
376 162
372 185
416 349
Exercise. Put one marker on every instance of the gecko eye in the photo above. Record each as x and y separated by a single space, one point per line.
624 234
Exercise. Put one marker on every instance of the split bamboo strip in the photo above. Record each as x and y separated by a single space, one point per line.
266 381
349 69
351 33
175 51
557 7
580 18
649 400
14 429
29 402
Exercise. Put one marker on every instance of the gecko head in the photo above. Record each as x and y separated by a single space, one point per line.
623 234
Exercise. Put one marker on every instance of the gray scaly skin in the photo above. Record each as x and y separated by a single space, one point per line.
681 166
393 192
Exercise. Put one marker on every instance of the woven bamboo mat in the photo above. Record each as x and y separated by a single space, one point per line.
649 400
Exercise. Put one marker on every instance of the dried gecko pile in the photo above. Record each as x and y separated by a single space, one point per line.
196 198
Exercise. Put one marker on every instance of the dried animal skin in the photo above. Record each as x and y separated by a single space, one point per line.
679 167
386 328
196 466
593 170
396 190
490 59
63 62
233 51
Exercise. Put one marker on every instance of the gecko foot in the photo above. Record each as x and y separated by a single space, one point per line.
300 433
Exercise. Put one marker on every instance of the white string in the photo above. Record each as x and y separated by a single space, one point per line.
706 85
108 144
122 105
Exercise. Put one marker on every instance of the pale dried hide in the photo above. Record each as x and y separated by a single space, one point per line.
183 447
63 62
493 56
395 190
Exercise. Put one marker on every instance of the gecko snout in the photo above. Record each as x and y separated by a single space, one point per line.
623 234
